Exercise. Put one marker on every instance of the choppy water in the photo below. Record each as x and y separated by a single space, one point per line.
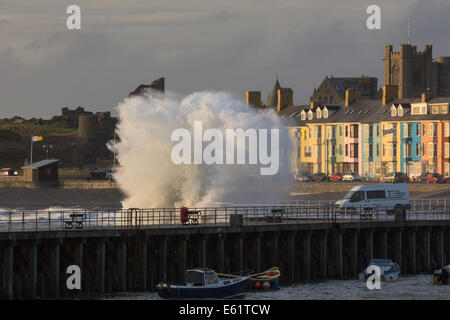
416 287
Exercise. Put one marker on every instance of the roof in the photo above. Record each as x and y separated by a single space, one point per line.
272 99
359 83
40 164
371 111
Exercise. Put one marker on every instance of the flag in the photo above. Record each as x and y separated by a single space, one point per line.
37 138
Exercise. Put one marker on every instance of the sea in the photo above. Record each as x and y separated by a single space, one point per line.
414 287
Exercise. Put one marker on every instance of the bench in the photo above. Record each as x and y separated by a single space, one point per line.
76 221
276 216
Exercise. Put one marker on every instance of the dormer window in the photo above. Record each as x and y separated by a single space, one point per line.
318 113
400 111
310 115
393 111
325 112
303 115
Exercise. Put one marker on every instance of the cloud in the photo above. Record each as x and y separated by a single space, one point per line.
198 45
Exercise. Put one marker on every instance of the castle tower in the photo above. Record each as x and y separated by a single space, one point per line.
410 70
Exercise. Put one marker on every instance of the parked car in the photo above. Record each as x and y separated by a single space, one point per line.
320 177
394 177
435 178
422 178
104 173
303 177
336 176
350 176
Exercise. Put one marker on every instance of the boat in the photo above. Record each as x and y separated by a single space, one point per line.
390 271
267 280
203 283
440 276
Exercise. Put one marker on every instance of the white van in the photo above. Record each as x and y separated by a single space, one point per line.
389 198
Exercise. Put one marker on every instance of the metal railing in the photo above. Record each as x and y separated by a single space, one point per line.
72 220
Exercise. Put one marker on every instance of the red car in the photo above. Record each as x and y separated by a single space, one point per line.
435 178
336 177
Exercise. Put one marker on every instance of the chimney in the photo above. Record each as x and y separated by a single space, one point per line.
390 93
311 105
285 98
351 95
426 96
254 98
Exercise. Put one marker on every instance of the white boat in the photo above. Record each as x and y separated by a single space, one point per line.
390 271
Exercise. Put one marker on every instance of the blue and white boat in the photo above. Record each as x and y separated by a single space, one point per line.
202 283
390 271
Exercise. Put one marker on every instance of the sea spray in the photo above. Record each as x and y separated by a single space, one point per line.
148 176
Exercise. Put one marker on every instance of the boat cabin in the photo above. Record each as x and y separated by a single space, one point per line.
201 277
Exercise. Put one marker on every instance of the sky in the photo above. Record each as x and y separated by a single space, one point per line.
228 45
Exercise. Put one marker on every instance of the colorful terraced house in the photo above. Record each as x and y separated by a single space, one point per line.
350 126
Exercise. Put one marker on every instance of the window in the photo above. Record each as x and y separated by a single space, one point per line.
423 149
400 111
434 149
393 111
394 149
370 131
431 129
325 113
331 99
310 115
353 150
346 150
447 129
366 150
447 151
408 150
430 149
447 169
319 132
384 150
325 100
370 150
357 196
417 129
303 115
434 109
195 278
320 99
340 131
365 130
346 131
318 113
378 149
417 149
376 194
378 130
407 128
424 130
210 278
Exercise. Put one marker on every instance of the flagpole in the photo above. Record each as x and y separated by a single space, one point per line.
31 155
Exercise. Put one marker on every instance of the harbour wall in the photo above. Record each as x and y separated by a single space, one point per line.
34 263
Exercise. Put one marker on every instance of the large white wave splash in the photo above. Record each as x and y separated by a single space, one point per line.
149 178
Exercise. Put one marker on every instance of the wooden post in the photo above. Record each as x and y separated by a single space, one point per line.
32 268
55 261
100 260
122 264
307 255
8 270
323 254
